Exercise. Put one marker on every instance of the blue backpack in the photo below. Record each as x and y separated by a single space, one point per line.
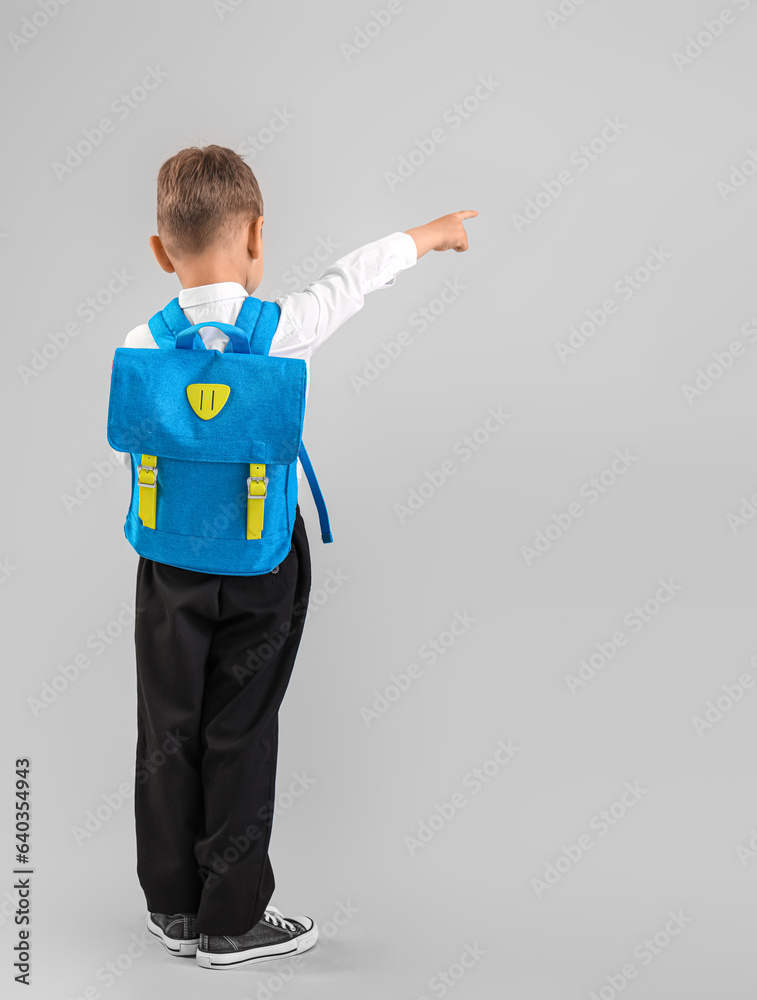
214 438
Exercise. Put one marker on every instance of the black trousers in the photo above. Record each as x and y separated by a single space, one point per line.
214 656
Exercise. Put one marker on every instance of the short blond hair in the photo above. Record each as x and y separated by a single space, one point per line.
204 196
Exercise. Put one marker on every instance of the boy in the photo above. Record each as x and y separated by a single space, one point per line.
214 787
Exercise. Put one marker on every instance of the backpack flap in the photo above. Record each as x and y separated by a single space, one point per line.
260 420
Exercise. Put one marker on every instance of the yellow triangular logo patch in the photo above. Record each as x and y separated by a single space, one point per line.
207 399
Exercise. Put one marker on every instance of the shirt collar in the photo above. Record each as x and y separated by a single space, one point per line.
201 295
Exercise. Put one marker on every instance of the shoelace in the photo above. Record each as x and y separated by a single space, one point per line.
276 917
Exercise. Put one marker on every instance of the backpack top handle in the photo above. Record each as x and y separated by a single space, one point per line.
239 342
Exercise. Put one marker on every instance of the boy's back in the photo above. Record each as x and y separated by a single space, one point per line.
215 651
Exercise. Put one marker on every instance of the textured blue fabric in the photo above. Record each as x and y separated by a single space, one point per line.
174 316
251 313
161 332
203 465
261 421
265 327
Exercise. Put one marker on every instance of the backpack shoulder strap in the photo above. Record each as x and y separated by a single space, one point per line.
259 320
174 318
164 325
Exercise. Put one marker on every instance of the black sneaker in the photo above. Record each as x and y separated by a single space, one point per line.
272 937
177 931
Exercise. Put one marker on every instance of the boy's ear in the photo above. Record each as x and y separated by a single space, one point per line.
255 237
160 254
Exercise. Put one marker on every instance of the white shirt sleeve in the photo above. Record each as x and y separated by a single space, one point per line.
311 316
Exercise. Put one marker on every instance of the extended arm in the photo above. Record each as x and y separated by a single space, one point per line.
311 316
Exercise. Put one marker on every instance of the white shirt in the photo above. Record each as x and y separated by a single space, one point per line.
308 318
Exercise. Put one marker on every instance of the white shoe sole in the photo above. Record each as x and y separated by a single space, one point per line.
185 948
251 956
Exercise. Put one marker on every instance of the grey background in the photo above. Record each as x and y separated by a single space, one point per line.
323 177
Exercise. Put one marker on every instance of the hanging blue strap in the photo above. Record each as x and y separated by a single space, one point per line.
315 489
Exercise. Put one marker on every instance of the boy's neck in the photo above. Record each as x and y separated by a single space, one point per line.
214 281
196 277
211 270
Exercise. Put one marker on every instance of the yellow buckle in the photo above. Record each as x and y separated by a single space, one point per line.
257 479
147 469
